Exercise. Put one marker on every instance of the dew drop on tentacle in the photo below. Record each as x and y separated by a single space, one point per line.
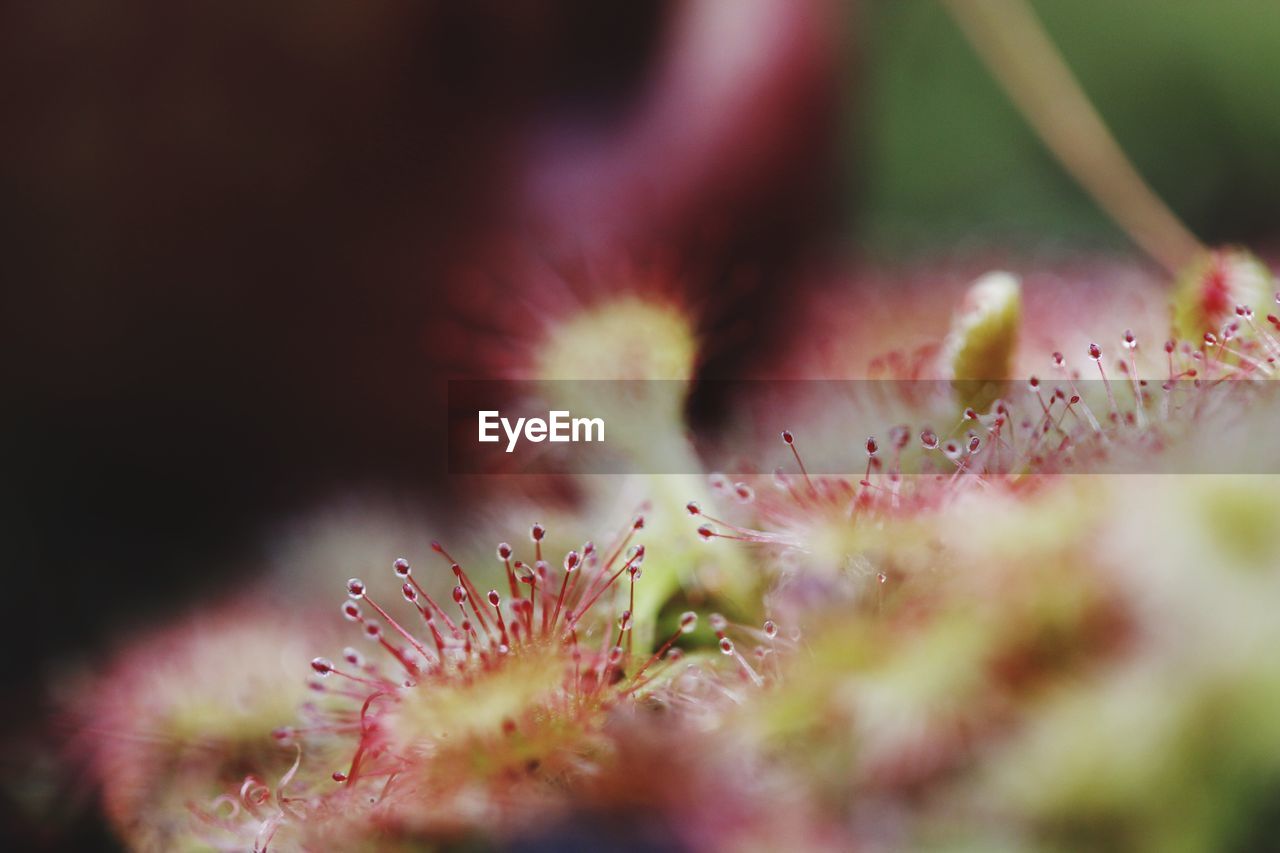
322 667
355 588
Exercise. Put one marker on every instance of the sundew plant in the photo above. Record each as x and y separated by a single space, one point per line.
1004 580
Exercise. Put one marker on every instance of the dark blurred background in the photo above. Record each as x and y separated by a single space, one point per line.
229 233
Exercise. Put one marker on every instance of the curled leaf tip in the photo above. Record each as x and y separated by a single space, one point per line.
978 353
1213 285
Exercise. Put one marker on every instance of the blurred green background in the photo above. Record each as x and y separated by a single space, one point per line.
938 156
